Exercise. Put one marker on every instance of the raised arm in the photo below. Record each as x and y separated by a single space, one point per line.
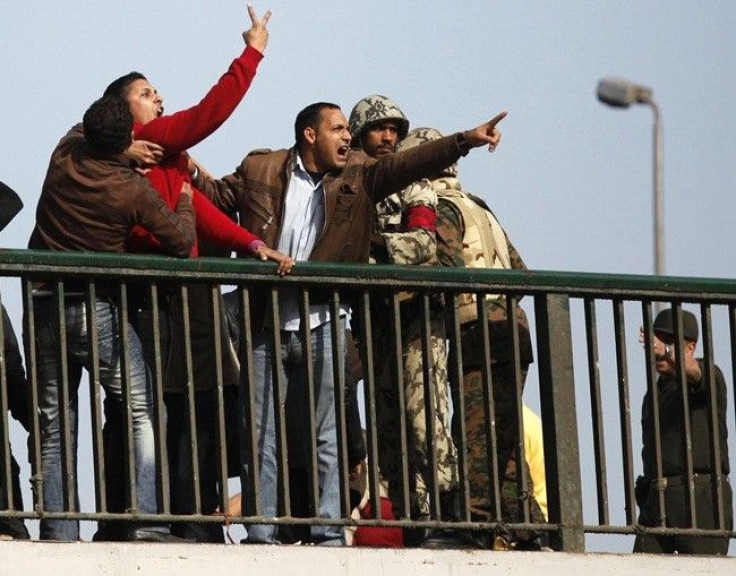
184 129
392 172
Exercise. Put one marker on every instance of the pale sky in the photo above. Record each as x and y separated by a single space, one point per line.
571 181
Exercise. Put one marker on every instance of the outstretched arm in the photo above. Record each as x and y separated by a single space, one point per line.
484 134
184 129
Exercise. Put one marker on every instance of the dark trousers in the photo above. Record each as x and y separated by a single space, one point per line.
14 527
181 471
677 516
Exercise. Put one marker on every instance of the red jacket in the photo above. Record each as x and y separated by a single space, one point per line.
179 131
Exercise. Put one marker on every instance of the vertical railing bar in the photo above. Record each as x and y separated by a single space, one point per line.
455 374
163 493
222 472
494 488
653 389
687 440
338 376
369 395
34 440
559 421
95 396
624 410
191 395
68 472
430 411
251 500
596 410
5 454
397 339
732 333
709 379
128 438
308 376
279 401
522 479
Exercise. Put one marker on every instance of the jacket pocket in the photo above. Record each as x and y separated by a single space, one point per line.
345 204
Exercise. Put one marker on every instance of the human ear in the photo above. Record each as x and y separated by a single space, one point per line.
310 134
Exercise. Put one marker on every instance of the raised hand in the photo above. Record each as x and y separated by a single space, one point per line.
257 35
485 134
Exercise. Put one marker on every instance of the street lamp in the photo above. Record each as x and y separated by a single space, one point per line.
621 93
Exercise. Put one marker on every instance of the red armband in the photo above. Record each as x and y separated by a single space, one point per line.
420 217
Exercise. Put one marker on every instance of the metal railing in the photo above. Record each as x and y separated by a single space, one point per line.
569 330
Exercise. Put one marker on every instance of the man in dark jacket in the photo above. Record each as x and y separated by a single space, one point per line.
666 479
314 202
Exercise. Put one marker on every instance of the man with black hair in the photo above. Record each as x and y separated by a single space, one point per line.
315 202
90 201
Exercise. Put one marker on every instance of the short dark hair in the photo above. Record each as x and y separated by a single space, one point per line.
108 124
120 86
309 117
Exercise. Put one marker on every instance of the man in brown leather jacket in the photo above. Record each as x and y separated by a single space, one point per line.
90 201
315 202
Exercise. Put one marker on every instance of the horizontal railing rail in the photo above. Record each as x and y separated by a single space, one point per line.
573 337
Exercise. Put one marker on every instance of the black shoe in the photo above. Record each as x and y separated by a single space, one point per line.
450 538
13 529
148 535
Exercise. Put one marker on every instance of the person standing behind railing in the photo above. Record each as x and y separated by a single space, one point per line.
674 480
17 387
404 235
175 133
469 235
315 202
90 201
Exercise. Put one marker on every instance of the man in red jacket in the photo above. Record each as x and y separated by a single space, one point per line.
175 133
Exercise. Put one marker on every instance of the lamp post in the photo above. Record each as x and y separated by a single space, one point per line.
621 93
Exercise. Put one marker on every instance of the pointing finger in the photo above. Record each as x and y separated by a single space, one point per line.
496 119
266 17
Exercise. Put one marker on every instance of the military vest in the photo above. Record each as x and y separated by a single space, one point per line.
484 242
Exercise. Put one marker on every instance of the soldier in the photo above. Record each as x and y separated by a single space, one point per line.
404 234
468 235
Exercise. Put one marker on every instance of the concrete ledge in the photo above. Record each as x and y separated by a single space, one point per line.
117 559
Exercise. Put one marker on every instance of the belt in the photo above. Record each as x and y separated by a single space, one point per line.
698 478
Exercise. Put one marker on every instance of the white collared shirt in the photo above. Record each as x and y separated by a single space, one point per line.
303 222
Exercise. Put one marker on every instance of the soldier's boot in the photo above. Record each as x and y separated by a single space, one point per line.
453 537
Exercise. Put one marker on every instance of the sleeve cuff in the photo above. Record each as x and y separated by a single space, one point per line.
255 245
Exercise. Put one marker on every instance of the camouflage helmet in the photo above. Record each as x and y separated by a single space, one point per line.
420 136
375 108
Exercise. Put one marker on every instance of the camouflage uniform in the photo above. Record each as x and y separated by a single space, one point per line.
395 243
459 216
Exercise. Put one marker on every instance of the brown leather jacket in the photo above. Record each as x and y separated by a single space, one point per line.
256 191
90 203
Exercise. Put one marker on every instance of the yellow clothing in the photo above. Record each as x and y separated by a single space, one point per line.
534 449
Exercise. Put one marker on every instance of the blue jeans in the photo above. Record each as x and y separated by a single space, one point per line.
327 454
141 398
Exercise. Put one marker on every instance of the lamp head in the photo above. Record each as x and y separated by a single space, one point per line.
622 93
